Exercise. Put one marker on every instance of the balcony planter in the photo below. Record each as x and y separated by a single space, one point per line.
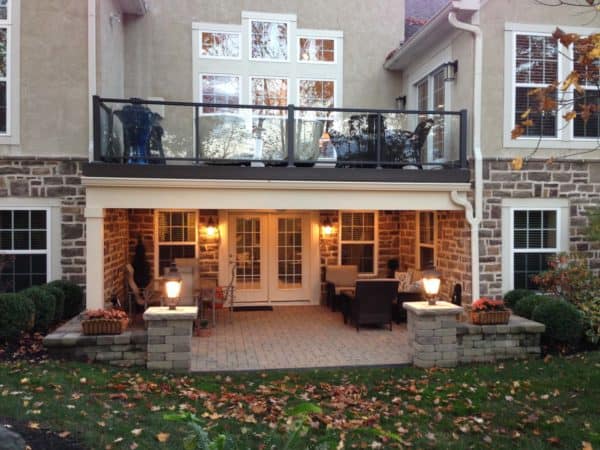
104 322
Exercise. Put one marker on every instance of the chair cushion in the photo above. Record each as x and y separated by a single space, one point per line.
341 275
340 289
403 280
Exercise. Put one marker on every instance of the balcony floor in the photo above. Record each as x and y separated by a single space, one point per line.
295 337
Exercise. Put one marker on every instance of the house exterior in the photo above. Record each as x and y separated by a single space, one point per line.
76 197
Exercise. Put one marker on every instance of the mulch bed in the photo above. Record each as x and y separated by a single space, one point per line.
28 348
41 438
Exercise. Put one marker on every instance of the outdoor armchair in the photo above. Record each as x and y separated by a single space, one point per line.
338 279
372 304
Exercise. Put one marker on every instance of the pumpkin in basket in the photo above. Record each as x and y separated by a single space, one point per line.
486 311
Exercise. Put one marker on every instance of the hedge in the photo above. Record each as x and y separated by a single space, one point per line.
564 322
17 313
59 299
512 297
45 307
73 297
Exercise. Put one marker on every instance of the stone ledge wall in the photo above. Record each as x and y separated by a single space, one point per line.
520 338
577 181
54 178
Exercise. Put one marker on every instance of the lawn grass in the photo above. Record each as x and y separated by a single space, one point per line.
531 404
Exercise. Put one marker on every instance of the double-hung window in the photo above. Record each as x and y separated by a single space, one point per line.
24 248
176 237
431 96
426 241
357 240
5 65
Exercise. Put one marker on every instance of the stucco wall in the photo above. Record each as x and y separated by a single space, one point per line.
494 15
158 46
54 80
110 49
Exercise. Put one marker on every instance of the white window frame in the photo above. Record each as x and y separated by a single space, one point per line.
12 25
375 240
316 79
418 242
564 138
300 36
201 93
509 206
158 243
220 29
280 113
269 18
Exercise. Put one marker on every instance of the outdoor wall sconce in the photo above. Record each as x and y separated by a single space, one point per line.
450 70
173 283
327 227
431 284
401 102
212 229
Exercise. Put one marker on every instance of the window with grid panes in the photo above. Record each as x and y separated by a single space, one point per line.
536 65
23 248
176 237
590 81
534 244
426 240
5 26
357 240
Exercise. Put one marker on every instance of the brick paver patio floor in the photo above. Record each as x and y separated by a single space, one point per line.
295 337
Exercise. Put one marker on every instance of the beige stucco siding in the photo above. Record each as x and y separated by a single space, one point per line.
54 80
494 16
110 51
158 46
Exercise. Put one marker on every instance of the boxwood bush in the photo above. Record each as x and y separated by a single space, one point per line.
73 297
45 307
17 313
59 301
564 322
512 297
526 305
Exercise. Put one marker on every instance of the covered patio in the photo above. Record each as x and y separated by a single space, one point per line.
295 337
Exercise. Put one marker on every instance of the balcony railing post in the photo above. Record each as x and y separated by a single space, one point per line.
378 133
197 132
463 139
291 135
97 151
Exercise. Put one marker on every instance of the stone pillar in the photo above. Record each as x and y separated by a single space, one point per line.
170 337
94 267
432 333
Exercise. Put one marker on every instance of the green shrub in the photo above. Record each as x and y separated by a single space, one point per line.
59 301
17 313
525 306
564 322
45 307
73 297
512 297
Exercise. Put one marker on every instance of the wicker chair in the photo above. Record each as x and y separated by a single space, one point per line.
372 304
339 278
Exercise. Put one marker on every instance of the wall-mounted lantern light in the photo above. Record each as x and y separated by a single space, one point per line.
212 229
401 102
327 227
450 70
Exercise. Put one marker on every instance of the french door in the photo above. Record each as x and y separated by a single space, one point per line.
272 255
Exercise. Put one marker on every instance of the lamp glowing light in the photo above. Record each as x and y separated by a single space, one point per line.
211 228
173 283
327 227
431 285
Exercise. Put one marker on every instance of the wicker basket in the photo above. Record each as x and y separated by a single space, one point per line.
104 326
490 317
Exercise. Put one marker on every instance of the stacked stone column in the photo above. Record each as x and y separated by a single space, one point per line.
170 337
432 333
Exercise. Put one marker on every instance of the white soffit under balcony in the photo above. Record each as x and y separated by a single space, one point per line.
137 7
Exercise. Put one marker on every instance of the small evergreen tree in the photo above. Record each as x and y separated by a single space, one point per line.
140 265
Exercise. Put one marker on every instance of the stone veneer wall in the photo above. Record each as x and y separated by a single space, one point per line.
454 254
56 178
577 181
116 253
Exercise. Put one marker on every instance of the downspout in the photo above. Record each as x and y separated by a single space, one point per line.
91 73
473 213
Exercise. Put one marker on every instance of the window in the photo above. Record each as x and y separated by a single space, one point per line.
426 242
589 80
534 243
431 96
269 92
269 40
318 93
223 89
357 240
536 65
316 50
5 26
220 45
24 253
176 232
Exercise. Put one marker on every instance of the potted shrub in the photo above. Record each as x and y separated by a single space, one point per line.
203 330
104 321
486 311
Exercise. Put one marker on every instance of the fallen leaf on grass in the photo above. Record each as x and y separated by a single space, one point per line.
64 434
553 440
33 425
136 431
162 437
586 446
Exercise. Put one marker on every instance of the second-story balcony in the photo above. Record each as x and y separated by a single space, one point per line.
163 139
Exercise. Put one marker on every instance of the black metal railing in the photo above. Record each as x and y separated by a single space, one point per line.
136 131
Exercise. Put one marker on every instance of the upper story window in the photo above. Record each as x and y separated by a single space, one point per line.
316 50
431 96
5 26
220 45
269 40
223 89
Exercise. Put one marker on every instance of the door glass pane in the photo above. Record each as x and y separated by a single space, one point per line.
289 251
248 253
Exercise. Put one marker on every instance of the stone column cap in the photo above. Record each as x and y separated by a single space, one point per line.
164 313
425 309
